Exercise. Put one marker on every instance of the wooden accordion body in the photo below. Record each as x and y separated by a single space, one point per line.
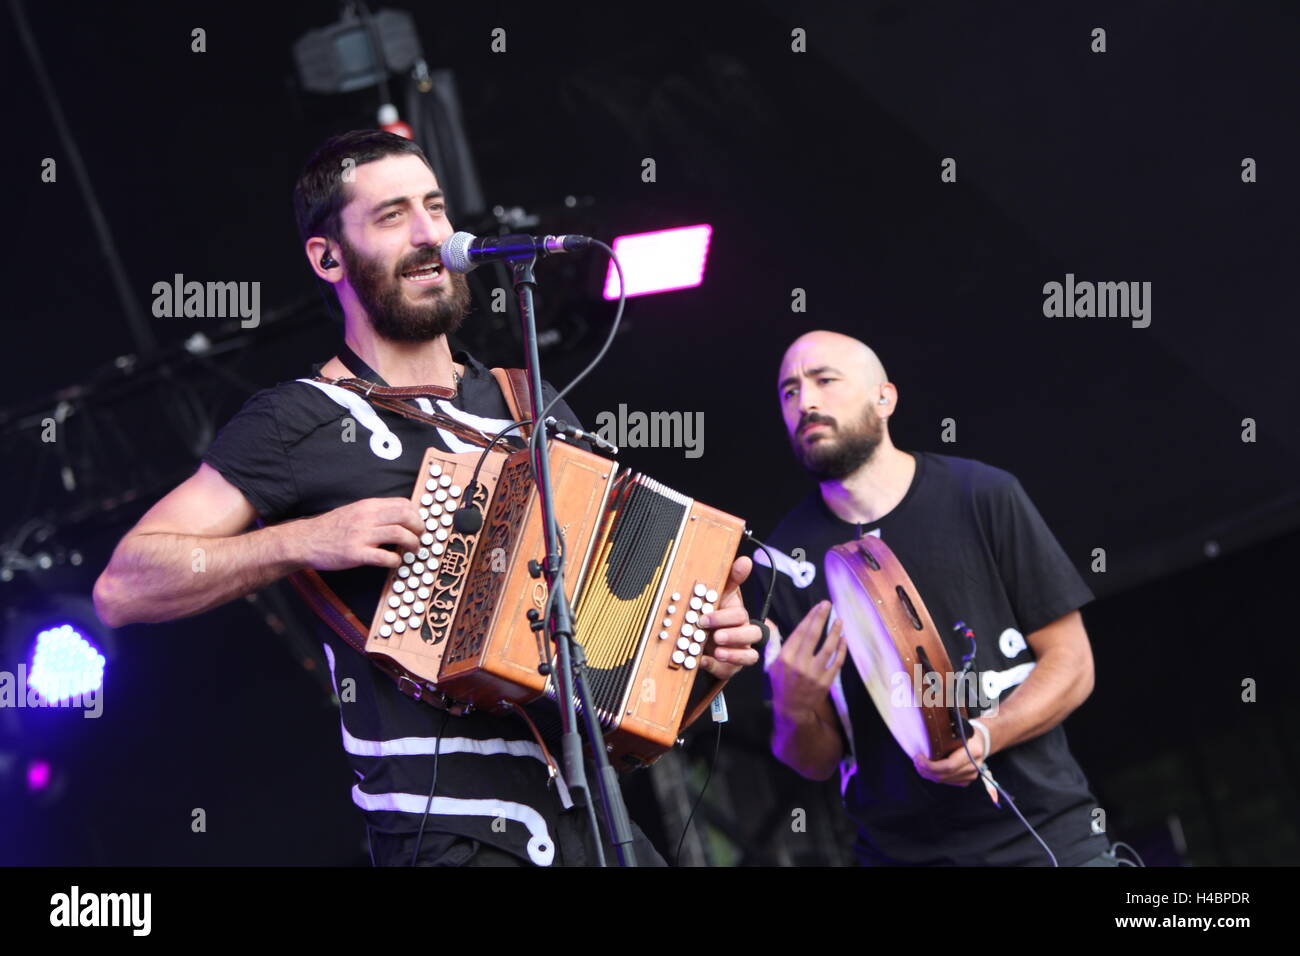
641 563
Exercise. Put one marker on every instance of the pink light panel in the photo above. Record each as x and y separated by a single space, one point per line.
660 261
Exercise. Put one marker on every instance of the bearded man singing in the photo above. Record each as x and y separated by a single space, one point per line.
329 474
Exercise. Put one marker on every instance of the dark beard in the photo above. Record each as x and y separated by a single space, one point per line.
840 454
391 315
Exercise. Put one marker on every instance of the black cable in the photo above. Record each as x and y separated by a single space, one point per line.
609 340
1122 862
967 662
424 818
717 743
771 584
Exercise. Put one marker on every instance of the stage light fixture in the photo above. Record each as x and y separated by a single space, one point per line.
660 261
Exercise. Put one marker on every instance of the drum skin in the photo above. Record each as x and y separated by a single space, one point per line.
889 633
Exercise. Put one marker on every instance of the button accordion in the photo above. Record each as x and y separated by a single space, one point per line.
461 617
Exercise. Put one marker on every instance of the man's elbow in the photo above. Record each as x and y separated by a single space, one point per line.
108 601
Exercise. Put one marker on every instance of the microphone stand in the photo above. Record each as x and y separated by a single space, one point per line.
570 661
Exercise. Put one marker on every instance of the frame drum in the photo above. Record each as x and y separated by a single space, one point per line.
894 644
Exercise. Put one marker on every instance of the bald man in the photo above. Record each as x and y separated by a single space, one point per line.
978 551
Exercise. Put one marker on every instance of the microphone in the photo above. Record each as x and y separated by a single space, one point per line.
465 251
573 431
467 519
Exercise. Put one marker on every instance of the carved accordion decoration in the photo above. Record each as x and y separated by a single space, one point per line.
641 561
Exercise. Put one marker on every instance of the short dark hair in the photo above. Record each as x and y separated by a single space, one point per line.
319 195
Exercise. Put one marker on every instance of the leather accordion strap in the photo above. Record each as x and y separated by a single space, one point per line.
513 383
327 605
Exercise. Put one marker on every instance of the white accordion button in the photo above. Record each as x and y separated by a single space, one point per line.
693 650
678 657
692 617
683 643
390 616
385 630
394 601
426 538
437 549
445 520
422 594
701 590
454 491
707 609
440 533
417 607
663 635
677 596
668 622
435 510
688 630
424 513
440 495
423 556
445 480
431 484
408 597
418 567
403 612
435 469
398 587
689 663
426 499
696 604
403 571
399 627
672 609
408 557
426 578
431 523
711 597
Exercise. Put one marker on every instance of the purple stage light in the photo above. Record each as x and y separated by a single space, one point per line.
660 261
65 664
38 775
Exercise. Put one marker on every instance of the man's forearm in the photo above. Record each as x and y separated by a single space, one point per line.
805 743
1058 684
155 576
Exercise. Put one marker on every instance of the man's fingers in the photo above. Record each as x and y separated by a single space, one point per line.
830 647
381 558
740 569
810 629
399 535
399 511
836 661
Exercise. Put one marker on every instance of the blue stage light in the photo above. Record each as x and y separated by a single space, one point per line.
65 664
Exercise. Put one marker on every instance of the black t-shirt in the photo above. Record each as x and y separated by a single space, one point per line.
287 451
977 551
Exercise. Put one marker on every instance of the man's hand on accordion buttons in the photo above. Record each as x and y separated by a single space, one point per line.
354 534
733 636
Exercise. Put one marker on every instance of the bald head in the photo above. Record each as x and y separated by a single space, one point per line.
847 355
836 401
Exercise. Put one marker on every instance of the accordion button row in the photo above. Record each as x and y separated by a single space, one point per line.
690 643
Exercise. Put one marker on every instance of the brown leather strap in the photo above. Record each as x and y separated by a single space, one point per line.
374 394
513 383
320 597
394 391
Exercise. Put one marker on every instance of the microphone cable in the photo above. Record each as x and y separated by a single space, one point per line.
424 818
968 661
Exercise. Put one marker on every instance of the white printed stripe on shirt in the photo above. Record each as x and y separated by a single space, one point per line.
541 848
417 746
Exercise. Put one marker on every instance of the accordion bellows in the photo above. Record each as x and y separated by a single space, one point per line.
642 563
